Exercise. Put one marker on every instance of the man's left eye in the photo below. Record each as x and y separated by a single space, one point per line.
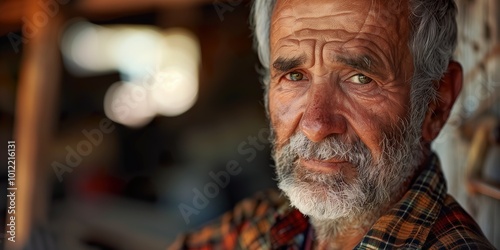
360 79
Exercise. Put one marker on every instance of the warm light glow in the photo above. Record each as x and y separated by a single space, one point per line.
85 49
177 76
127 103
159 68
175 91
136 50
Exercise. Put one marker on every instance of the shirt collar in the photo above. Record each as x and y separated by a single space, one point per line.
289 230
408 222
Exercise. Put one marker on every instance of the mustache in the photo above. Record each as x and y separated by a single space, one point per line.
332 147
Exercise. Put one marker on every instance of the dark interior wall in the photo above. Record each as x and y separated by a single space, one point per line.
137 180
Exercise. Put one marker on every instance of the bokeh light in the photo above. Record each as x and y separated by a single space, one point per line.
159 69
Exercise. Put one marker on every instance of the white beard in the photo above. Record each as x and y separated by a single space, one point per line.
336 199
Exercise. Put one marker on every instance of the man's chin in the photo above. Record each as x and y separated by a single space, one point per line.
322 202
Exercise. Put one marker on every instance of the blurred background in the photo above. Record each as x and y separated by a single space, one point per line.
135 121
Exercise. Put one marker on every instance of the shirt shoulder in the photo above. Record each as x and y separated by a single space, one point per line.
455 229
249 220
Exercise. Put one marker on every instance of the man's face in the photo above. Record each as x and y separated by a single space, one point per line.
339 101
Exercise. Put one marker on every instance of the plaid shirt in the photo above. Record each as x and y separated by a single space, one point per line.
425 218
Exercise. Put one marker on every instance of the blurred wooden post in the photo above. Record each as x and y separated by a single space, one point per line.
36 114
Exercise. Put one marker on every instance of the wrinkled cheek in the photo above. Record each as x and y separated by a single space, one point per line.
285 117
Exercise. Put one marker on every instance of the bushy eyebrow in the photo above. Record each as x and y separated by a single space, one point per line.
282 64
362 62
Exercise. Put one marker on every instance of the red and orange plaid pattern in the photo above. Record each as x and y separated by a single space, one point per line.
425 218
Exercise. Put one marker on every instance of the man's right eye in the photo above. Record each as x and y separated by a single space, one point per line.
295 76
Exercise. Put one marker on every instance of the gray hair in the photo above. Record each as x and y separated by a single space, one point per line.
432 43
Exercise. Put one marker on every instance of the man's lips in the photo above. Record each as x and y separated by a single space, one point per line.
328 166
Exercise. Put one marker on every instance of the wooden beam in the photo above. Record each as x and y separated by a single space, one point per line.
34 120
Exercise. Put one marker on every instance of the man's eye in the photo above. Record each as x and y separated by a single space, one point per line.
295 76
360 79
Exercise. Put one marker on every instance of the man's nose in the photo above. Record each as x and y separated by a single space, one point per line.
321 117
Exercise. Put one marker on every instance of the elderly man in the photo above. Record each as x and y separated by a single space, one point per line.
356 90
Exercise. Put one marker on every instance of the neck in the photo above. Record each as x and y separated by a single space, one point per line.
342 233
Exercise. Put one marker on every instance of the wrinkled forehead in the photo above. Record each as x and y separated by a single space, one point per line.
299 18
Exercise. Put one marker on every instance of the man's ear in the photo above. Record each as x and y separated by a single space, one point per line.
439 110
